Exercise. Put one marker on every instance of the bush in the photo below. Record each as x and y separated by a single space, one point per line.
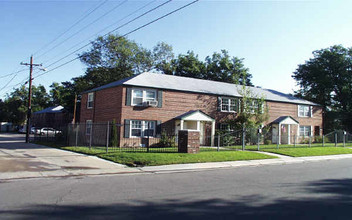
267 142
114 138
318 139
167 140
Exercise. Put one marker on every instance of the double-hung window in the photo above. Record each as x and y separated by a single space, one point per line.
304 111
142 128
140 96
90 100
229 104
254 106
304 131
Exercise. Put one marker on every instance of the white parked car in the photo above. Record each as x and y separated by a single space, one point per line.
49 131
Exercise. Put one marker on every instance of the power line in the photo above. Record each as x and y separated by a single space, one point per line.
8 82
80 30
144 6
10 74
145 13
134 30
77 22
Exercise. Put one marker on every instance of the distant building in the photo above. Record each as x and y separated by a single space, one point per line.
54 117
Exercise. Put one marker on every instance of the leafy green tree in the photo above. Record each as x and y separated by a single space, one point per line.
218 67
326 79
253 112
114 57
222 67
15 104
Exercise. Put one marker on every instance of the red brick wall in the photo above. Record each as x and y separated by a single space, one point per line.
110 104
277 109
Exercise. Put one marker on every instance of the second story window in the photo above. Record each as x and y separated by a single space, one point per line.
140 96
90 100
229 104
304 111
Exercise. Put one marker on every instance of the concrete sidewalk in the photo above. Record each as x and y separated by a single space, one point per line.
19 160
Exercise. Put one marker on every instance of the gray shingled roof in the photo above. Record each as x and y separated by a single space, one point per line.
54 109
186 84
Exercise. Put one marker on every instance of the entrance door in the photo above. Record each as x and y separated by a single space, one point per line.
284 134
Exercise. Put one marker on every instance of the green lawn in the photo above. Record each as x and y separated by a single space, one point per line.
313 151
154 159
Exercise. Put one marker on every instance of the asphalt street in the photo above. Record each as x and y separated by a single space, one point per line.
312 190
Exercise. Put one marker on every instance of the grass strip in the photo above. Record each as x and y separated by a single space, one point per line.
154 159
313 151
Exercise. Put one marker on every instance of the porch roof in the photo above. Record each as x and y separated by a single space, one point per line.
195 115
285 120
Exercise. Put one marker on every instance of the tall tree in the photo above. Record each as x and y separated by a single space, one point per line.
114 57
222 67
327 80
218 67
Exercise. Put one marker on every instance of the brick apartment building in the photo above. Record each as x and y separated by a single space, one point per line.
149 103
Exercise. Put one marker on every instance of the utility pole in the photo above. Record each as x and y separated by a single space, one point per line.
29 111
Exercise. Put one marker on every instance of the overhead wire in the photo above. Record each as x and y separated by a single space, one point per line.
145 13
79 43
10 74
83 28
72 26
134 30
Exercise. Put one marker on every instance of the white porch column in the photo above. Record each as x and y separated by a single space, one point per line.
279 133
288 133
212 133
198 125
181 124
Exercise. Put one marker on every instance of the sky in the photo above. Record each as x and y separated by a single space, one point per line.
273 37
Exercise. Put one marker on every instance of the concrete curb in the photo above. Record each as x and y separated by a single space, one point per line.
231 164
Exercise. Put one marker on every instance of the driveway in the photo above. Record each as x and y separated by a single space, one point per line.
22 160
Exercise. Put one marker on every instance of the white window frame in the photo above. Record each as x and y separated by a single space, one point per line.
307 109
306 129
89 124
144 127
144 96
231 102
90 100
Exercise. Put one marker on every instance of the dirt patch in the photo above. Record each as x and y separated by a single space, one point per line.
78 168
22 165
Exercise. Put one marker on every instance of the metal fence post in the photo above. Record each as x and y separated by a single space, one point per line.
277 142
243 137
90 136
218 142
323 140
344 138
77 130
310 140
294 140
258 139
107 137
335 139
